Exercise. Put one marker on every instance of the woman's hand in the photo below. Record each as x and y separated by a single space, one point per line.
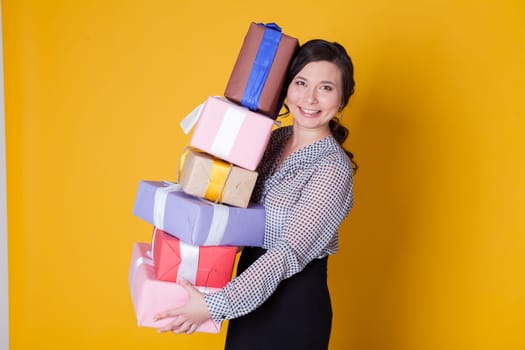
189 316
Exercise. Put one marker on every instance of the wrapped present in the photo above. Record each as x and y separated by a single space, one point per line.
151 296
259 73
196 220
199 265
212 178
228 131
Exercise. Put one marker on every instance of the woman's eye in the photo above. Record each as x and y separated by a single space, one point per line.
326 87
300 83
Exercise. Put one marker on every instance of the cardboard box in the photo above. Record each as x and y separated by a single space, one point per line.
259 73
231 132
151 296
205 176
201 266
198 221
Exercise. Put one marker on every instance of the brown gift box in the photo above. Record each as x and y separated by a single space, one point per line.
195 179
270 98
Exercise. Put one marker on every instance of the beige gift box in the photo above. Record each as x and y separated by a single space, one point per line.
205 176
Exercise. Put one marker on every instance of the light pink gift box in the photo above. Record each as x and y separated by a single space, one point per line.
232 132
151 296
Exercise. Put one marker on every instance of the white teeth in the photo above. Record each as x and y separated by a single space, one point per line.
310 111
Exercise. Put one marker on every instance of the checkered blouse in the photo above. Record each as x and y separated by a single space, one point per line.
306 199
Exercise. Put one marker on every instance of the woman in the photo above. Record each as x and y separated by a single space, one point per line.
280 298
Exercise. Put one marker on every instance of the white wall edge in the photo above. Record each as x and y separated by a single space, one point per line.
4 300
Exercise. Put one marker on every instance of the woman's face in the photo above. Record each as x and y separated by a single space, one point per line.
315 94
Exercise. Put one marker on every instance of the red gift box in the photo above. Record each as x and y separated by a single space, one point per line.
205 266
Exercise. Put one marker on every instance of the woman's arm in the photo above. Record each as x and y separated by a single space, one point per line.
311 224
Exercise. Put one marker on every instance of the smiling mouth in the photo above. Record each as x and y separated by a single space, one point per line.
309 111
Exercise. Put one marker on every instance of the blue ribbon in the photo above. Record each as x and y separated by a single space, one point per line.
261 65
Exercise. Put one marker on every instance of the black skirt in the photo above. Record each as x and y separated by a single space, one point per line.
298 315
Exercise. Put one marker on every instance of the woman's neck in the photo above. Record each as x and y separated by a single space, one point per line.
302 137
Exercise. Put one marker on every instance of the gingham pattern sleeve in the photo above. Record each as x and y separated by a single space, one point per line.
305 201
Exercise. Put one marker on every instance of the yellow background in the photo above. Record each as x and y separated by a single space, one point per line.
432 255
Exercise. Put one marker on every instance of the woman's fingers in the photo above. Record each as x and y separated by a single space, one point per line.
174 325
164 314
179 327
184 328
188 317
190 289
192 329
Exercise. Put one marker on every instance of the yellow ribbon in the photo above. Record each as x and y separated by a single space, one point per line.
220 170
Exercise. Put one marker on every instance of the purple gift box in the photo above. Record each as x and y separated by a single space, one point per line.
198 221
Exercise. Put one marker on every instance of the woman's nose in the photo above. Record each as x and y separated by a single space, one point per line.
311 96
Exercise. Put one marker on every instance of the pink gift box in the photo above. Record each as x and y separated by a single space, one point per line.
151 296
232 132
202 266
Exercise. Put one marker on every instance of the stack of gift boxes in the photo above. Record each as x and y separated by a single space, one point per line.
200 219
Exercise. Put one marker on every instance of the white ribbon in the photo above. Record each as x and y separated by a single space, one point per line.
159 204
218 224
191 119
219 219
228 130
138 263
189 259
189 262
